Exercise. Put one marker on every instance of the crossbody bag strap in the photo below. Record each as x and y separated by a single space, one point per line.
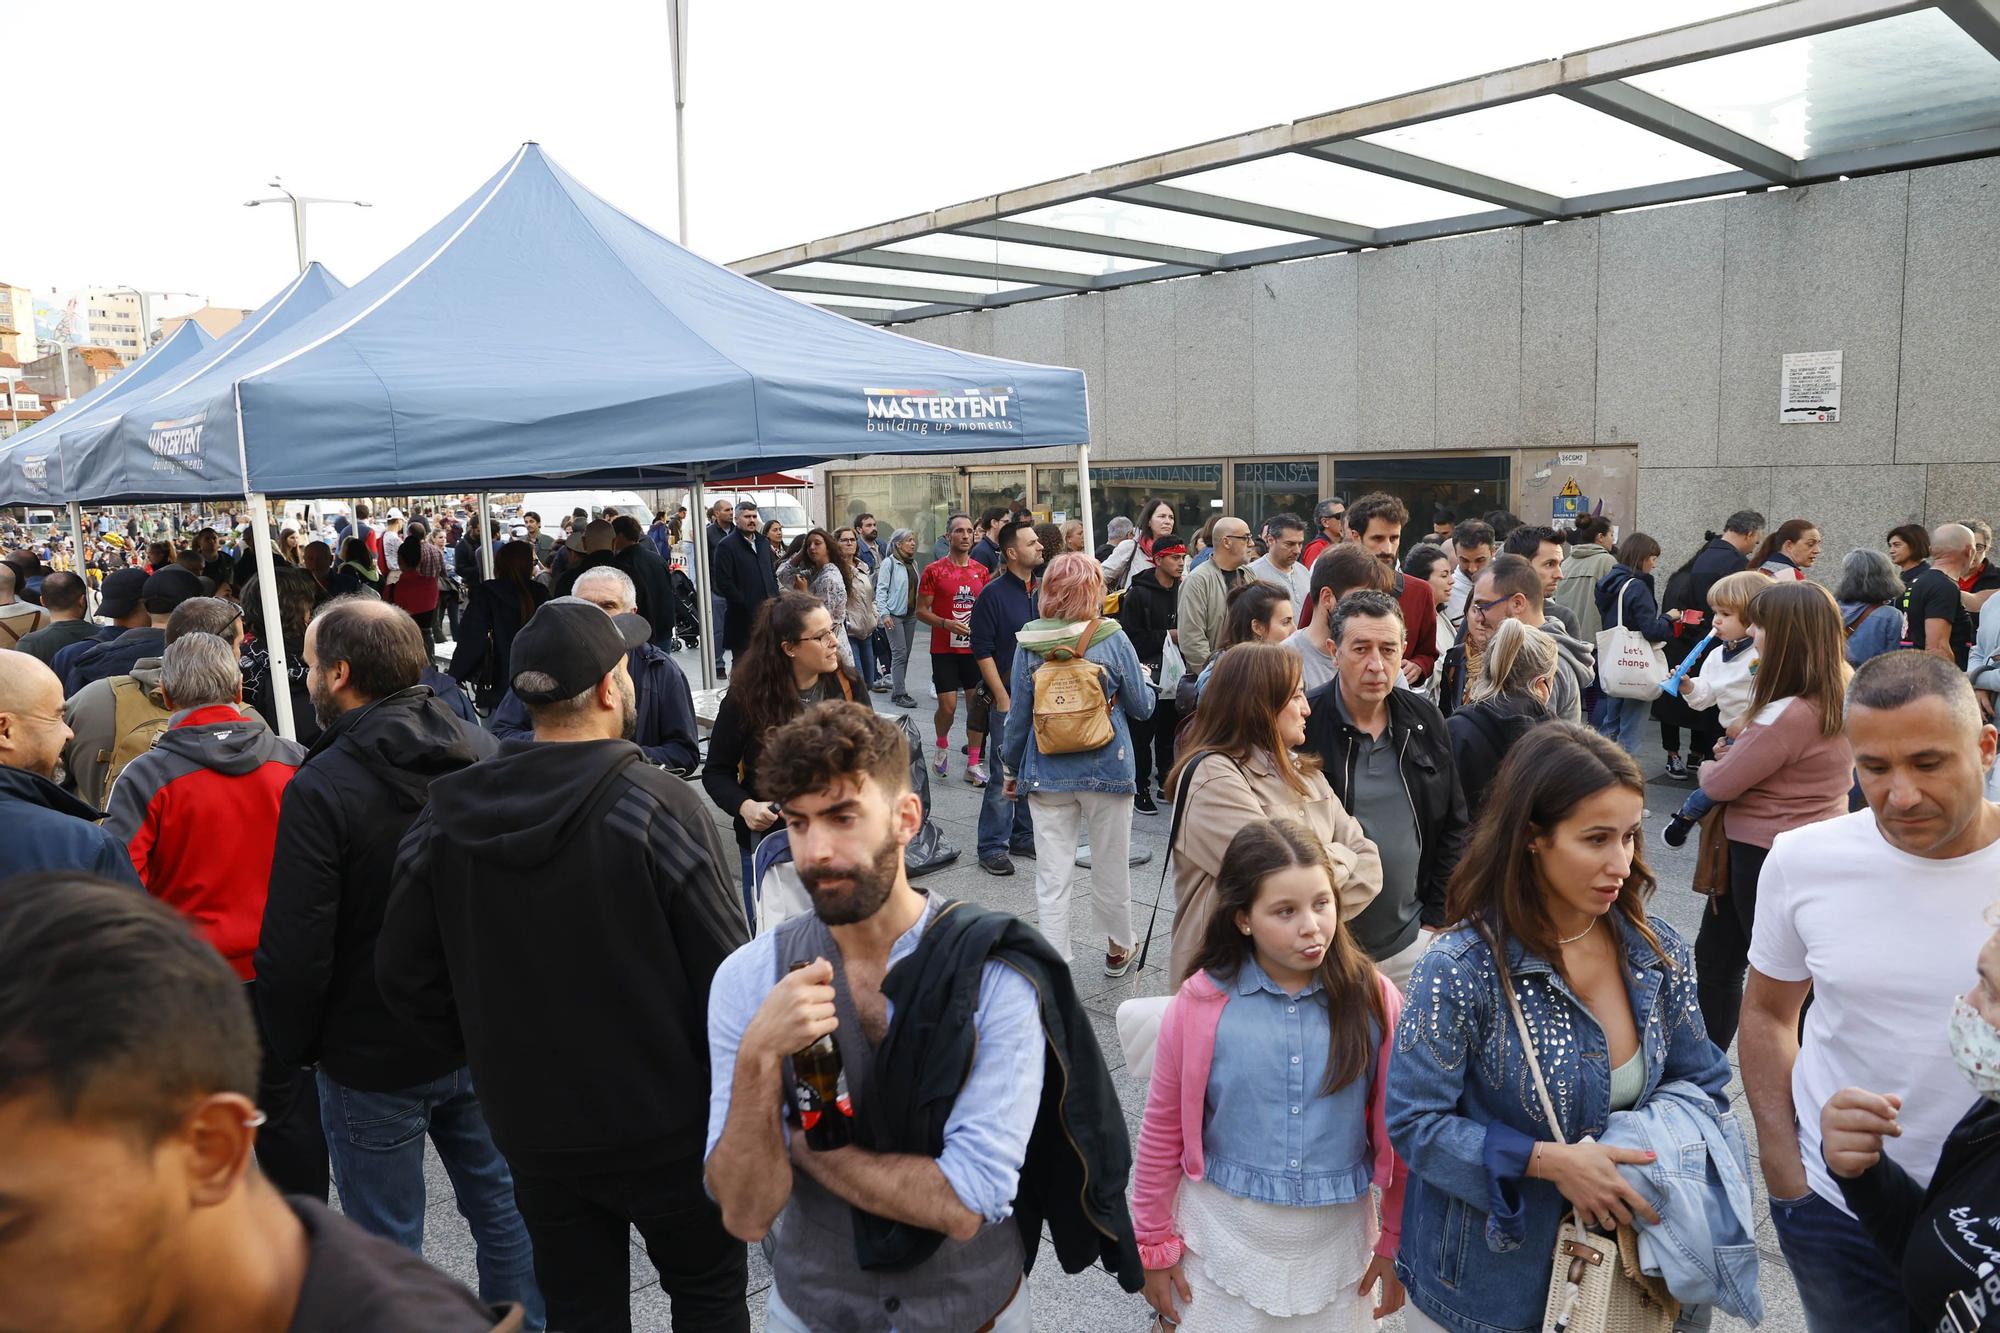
1166 862
1527 1038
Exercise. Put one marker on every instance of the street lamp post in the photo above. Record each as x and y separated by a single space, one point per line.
146 310
677 35
300 203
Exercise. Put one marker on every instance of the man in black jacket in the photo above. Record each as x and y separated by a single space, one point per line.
652 577
745 578
721 520
1147 613
381 1086
1388 756
584 1014
1723 556
128 1117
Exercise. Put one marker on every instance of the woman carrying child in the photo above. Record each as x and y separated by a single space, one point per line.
1265 1126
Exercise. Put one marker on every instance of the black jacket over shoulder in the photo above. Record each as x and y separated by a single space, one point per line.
363 784
653 586
744 578
1908 1221
1079 1156
1481 735
565 905
1423 749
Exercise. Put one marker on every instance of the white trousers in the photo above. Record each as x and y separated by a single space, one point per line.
1058 817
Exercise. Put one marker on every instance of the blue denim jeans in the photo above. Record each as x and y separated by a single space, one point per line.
1003 824
375 1141
1845 1283
863 647
1625 721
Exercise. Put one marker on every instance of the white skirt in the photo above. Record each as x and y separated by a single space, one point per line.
1263 1268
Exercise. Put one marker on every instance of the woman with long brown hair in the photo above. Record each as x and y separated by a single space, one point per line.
499 607
1547 911
1790 767
1265 1114
817 562
1238 764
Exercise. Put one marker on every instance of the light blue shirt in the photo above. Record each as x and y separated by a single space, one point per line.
1268 1131
986 1134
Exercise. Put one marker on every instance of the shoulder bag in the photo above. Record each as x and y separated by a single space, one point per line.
1593 1286
1629 666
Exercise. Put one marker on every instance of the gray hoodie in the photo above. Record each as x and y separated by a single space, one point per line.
1580 659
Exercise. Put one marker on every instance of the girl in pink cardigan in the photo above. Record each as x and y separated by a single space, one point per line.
1264 1131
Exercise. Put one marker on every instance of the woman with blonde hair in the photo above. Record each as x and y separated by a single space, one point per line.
1790 767
1066 786
1237 764
1517 674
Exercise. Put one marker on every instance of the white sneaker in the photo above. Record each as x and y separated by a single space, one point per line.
975 775
943 766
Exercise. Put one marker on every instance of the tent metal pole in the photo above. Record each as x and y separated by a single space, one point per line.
274 625
704 609
76 541
1083 497
485 519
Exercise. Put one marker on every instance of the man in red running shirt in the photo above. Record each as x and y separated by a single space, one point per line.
945 594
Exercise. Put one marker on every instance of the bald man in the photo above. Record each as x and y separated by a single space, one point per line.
18 618
1934 615
597 554
47 828
1204 593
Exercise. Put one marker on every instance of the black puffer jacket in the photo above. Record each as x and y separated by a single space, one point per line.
1481 735
364 782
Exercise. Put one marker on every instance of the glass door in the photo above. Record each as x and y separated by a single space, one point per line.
1460 487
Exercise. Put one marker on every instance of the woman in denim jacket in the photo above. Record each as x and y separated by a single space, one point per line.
1554 872
1094 786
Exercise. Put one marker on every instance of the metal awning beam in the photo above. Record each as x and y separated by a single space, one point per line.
1177 200
963 268
1980 19
879 291
869 314
1635 106
1087 242
1402 166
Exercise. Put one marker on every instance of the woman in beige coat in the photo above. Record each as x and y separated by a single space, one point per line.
1238 765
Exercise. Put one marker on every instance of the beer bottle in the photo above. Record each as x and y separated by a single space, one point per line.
819 1093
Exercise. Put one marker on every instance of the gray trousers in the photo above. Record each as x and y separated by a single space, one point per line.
902 639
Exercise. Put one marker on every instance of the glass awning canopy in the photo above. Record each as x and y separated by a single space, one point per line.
1794 92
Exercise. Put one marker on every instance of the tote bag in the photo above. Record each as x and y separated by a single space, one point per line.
1628 665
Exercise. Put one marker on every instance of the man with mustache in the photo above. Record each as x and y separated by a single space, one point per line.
564 905
929 1225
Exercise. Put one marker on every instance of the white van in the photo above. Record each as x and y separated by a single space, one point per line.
553 506
781 505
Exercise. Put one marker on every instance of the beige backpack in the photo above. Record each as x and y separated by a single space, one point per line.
138 717
1072 714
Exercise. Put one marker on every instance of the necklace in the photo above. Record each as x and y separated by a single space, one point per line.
1580 934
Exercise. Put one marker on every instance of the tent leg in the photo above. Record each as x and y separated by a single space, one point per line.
267 598
1083 497
485 517
76 542
703 608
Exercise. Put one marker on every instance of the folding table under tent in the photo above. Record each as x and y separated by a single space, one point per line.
537 334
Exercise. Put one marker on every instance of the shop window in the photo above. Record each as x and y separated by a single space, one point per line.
920 501
995 488
1461 487
1266 489
1193 489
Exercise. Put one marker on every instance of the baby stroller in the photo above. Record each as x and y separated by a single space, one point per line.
687 620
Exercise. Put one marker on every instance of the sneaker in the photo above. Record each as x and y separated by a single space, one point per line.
879 687
1027 851
1675 834
1117 964
902 701
942 767
975 775
1143 803
1677 769
997 864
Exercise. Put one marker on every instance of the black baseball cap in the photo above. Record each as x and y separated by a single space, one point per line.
574 643
170 587
121 593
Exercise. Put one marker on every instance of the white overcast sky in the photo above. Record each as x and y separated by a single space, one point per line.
804 119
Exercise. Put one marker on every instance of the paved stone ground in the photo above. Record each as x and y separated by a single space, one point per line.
1091 1302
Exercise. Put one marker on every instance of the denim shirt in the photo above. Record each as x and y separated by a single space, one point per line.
1463 1113
1268 1132
1105 769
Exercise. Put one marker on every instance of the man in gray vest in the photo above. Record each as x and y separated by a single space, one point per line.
842 776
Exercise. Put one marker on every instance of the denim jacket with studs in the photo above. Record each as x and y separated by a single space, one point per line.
1463 1113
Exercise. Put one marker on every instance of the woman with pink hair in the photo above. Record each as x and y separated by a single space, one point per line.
1067 786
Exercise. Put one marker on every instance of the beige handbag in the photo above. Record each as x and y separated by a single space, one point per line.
1594 1281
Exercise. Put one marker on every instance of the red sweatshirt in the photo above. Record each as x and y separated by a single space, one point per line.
199 814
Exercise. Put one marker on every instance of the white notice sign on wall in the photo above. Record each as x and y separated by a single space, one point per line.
1809 387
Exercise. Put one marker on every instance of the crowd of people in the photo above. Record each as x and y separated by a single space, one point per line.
1423 1030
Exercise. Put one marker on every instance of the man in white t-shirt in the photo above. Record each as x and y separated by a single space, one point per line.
1877 914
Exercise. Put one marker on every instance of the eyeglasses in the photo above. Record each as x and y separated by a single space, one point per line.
1484 607
1235 537
826 636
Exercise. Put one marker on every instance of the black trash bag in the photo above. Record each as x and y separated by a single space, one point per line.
928 850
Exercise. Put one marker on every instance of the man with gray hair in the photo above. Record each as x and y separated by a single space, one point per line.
198 814
567 866
665 725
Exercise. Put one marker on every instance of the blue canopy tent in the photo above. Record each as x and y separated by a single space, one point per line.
538 334
107 457
33 465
